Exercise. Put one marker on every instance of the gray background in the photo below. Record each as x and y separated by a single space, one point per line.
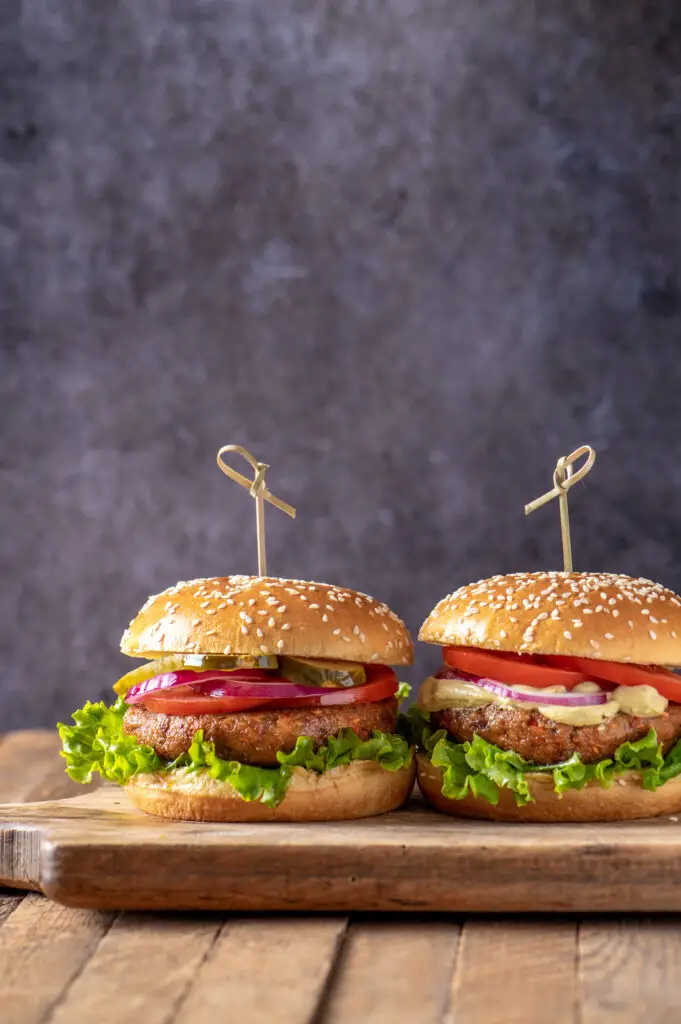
410 253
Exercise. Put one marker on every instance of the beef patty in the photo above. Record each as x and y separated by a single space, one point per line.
254 737
542 741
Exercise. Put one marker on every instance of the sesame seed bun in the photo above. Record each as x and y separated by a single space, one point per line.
586 615
358 790
625 800
262 615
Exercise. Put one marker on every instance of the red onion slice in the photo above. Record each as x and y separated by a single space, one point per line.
562 700
276 689
238 679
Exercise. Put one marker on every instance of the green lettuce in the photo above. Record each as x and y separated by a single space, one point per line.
480 768
96 743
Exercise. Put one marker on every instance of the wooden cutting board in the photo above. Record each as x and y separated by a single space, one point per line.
97 851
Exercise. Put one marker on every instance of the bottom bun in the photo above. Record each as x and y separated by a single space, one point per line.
358 790
623 801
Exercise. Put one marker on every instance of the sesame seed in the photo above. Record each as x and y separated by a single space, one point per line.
355 630
595 644
653 619
374 657
615 613
567 634
270 621
502 634
245 617
286 625
229 600
673 635
577 623
630 624
211 632
280 644
204 604
645 611
652 634
314 606
346 639
609 636
302 597
336 632
281 608
211 611
271 600
196 622
259 632
227 650
244 630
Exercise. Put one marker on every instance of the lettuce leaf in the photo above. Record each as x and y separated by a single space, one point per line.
483 769
96 743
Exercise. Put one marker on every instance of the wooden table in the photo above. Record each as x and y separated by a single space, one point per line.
66 966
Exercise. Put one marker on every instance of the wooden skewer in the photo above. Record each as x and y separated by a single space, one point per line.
259 491
564 477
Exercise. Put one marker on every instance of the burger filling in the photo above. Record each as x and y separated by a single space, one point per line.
242 721
490 719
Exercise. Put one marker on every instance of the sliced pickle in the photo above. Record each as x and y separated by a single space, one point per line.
226 661
200 662
320 672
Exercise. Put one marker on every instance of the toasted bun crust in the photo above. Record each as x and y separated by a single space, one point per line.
264 615
624 801
358 790
586 615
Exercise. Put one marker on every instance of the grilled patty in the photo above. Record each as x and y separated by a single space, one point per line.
542 741
254 737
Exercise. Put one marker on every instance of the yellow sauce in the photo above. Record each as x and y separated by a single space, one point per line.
642 701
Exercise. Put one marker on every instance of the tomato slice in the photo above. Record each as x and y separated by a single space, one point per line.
514 669
665 682
381 684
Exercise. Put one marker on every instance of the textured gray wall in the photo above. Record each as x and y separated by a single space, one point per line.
409 253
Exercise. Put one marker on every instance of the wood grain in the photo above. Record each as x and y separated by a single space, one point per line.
140 970
392 972
630 971
515 972
42 949
264 970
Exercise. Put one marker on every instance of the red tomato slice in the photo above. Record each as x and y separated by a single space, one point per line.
665 682
513 669
381 684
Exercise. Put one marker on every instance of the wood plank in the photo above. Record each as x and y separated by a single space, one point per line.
141 970
264 970
98 851
8 903
630 971
515 972
27 759
392 972
42 948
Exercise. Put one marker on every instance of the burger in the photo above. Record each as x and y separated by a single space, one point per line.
555 700
260 699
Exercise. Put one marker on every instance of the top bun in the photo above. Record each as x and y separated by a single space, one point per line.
587 615
262 615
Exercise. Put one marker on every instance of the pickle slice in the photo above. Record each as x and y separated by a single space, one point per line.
321 672
200 662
